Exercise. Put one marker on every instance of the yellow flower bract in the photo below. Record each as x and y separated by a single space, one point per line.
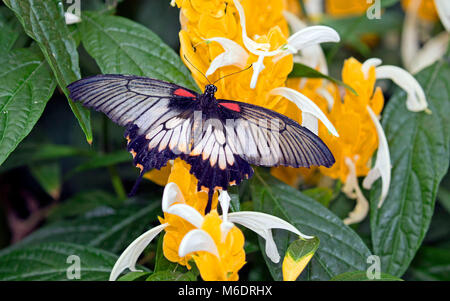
231 252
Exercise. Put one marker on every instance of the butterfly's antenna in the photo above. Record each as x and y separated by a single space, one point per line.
196 68
136 185
233 73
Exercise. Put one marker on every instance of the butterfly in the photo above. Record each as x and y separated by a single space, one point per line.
218 138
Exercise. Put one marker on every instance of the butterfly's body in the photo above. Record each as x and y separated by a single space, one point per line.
218 138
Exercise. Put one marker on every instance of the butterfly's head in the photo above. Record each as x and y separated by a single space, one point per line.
210 90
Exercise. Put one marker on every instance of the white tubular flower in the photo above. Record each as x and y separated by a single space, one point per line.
416 58
71 18
309 109
443 9
352 190
172 194
234 55
262 224
416 100
410 34
433 50
382 166
197 240
303 38
187 213
131 254
311 56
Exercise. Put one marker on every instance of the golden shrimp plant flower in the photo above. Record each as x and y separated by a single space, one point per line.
218 40
213 242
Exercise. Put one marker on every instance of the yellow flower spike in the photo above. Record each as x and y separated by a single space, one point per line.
217 259
187 183
297 256
345 8
159 176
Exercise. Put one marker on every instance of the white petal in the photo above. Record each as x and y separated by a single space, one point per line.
252 46
131 254
443 9
328 97
234 55
262 223
197 240
172 194
352 190
224 200
257 68
410 35
225 227
372 62
310 122
305 105
382 167
311 56
71 18
433 50
187 213
416 96
313 35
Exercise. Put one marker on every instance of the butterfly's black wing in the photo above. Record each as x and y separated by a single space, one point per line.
158 115
241 134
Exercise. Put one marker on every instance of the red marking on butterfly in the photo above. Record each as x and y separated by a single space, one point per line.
231 106
184 93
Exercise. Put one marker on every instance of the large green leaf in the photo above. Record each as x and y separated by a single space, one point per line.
51 261
103 160
419 148
341 249
44 22
104 227
30 153
8 35
26 84
82 203
122 46
362 276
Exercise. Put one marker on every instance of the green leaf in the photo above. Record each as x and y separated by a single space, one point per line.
419 148
388 3
51 261
362 276
134 276
28 153
104 227
341 249
48 176
122 46
44 22
235 201
82 203
431 264
8 36
26 85
300 70
323 195
171 276
297 256
102 160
